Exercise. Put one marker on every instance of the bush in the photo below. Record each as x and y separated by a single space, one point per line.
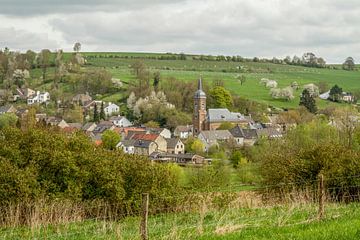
44 163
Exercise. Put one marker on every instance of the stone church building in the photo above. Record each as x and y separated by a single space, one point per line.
213 117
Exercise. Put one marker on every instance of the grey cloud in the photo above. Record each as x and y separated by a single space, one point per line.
24 40
38 7
249 28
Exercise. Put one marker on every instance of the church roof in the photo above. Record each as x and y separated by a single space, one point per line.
224 115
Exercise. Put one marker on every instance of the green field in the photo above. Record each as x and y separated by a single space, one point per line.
191 70
282 222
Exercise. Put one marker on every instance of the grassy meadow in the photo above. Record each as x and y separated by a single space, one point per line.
190 70
277 222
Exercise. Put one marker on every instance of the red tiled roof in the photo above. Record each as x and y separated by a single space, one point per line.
145 137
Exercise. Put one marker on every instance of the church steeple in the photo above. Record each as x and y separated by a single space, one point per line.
200 93
199 115
200 84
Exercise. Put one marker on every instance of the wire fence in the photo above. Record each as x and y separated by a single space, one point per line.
217 211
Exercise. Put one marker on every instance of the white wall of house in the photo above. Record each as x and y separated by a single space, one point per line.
111 109
123 122
165 133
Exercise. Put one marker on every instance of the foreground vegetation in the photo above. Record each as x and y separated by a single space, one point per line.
282 222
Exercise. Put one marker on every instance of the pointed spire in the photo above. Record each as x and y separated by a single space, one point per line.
200 83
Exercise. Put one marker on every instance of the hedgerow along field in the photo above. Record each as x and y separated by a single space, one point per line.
190 70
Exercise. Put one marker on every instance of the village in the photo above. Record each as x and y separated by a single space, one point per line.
159 144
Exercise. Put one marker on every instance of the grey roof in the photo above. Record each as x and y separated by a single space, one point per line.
87 126
183 128
142 143
172 142
75 125
224 115
116 118
200 93
5 109
216 134
239 132
250 133
269 132
128 142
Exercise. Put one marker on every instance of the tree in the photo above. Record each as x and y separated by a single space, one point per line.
308 101
242 79
44 61
156 80
335 93
220 98
102 112
197 147
77 47
226 126
30 57
152 124
110 139
96 116
349 64
75 114
8 120
60 68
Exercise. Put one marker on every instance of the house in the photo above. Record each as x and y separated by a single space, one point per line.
120 121
145 147
8 109
25 93
102 127
39 97
77 126
182 159
127 132
175 146
244 136
183 132
166 133
82 99
213 138
40 117
159 141
269 133
347 97
58 122
89 127
128 146
111 109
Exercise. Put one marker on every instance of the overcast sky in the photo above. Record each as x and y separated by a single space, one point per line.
264 28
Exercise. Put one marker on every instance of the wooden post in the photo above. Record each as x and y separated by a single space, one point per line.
321 190
144 217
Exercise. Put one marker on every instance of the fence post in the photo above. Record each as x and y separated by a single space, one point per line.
144 217
321 190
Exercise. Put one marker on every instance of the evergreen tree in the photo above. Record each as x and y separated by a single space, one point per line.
335 93
308 101
96 114
102 111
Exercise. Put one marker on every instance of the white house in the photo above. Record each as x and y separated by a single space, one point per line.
183 132
128 146
111 109
39 97
120 121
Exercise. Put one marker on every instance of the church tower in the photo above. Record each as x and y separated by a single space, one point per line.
199 115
